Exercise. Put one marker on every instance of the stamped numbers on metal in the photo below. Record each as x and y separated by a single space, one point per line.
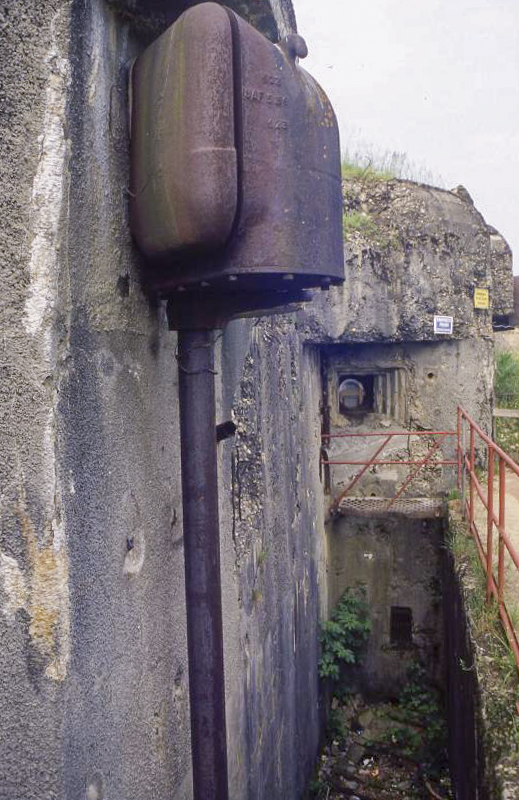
278 124
272 80
259 96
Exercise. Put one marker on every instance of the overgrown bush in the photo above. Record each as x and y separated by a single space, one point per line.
344 636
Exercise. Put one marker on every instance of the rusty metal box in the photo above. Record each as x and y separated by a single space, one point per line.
235 161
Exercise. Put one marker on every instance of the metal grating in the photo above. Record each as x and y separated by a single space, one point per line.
414 507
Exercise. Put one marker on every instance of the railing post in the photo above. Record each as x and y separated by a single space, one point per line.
463 465
502 518
490 519
471 485
458 447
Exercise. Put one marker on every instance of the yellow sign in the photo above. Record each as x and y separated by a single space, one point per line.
481 298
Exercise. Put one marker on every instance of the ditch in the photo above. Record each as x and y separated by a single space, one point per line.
429 718
391 749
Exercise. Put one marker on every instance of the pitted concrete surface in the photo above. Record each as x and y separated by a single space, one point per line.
421 251
34 590
94 688
93 663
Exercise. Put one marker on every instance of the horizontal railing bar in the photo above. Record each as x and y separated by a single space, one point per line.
503 611
388 433
495 519
492 519
490 442
362 463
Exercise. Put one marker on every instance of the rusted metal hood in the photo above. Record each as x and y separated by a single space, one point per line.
235 161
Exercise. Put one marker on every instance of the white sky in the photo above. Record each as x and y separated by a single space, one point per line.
435 79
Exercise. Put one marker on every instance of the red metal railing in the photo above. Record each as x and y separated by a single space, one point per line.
375 460
480 445
472 444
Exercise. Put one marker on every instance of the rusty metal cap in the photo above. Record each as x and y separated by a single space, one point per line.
183 156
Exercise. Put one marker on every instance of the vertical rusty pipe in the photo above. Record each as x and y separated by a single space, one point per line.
490 520
202 564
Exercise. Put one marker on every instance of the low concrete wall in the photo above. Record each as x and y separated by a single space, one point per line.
462 692
398 561
481 694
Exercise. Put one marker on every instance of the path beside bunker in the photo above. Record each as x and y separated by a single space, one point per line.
511 583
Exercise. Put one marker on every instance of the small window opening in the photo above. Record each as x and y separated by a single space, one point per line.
401 626
356 394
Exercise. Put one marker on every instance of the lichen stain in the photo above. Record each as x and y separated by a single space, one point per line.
47 601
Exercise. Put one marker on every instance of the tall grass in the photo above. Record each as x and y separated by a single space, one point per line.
506 380
369 162
506 391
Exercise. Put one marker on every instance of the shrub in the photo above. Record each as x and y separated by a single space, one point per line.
344 636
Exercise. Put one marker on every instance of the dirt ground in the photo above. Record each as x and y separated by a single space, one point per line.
375 754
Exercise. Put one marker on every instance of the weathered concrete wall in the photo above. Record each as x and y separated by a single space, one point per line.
274 550
412 251
93 694
34 600
502 275
93 663
398 561
466 751
436 378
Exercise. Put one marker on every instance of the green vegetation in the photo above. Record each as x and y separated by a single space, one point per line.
371 163
453 494
420 705
365 172
506 389
358 221
344 636
496 666
376 749
506 380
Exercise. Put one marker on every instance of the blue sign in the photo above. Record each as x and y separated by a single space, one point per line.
443 324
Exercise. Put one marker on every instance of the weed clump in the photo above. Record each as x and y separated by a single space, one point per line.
353 171
345 634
